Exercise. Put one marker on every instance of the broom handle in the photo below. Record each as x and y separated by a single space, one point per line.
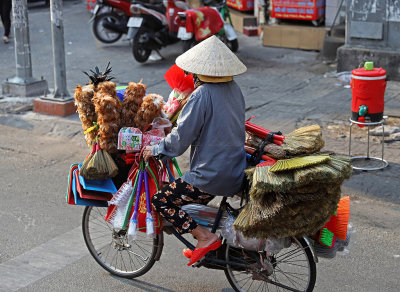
128 211
146 188
138 191
176 166
260 131
263 157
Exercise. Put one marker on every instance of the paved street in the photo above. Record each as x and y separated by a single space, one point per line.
41 247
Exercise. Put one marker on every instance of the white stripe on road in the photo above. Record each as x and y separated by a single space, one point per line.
42 261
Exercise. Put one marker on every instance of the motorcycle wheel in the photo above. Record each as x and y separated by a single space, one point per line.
103 34
140 53
188 44
233 45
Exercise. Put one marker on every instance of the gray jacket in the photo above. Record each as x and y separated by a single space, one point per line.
213 124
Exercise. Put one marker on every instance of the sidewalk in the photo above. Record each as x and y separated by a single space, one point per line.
284 88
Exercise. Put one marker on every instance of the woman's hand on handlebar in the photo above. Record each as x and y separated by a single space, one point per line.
147 153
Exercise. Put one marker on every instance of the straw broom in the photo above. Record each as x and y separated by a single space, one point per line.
305 140
97 168
83 170
302 218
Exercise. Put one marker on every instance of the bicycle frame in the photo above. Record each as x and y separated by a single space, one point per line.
224 205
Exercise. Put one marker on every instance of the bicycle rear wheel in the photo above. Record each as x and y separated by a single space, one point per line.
111 249
291 269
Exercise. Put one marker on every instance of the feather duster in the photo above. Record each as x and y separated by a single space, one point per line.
133 98
83 100
108 115
149 110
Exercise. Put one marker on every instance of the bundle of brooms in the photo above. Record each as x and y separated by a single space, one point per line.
305 140
293 201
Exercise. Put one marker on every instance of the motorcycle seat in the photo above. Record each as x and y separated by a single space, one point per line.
157 7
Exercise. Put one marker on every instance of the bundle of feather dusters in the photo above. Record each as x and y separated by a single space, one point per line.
108 115
149 109
86 111
133 99
100 104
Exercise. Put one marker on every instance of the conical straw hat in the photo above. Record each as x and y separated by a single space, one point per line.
211 57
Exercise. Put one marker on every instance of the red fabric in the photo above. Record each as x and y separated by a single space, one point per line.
203 22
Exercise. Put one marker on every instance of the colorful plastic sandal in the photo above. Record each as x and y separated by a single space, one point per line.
187 252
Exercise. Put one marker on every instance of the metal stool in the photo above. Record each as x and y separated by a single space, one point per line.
383 163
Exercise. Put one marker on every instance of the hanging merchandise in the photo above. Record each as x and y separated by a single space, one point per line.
140 215
83 169
149 110
78 196
83 100
129 138
132 100
100 166
182 86
119 204
108 111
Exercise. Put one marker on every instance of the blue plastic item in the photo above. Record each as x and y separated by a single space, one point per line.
120 92
85 202
101 185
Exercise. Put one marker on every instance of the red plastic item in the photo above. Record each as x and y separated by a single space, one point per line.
91 195
267 160
295 9
263 133
368 88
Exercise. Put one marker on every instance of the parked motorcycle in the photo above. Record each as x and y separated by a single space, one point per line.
152 27
191 33
110 19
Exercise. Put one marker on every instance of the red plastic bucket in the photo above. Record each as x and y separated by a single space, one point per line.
368 86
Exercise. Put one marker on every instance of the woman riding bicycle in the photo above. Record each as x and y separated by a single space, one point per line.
212 123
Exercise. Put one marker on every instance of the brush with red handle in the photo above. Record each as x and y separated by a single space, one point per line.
251 150
263 133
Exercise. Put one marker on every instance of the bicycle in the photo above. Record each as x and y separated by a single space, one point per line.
293 268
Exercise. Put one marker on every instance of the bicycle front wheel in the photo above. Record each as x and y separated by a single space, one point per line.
292 269
111 248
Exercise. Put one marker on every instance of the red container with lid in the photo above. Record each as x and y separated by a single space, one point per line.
368 86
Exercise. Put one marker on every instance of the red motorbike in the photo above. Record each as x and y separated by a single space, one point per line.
149 26
153 27
200 23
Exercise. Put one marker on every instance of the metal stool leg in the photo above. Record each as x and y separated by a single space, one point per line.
384 163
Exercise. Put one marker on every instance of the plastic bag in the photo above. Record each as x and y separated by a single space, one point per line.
341 247
204 215
236 238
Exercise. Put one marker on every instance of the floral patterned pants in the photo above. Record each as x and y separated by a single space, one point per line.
179 193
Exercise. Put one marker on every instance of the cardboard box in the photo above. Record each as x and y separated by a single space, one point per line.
194 3
239 20
294 36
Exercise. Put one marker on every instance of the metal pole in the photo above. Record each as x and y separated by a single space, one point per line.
57 32
22 42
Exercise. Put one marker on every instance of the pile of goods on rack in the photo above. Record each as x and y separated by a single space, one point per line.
118 123
295 188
